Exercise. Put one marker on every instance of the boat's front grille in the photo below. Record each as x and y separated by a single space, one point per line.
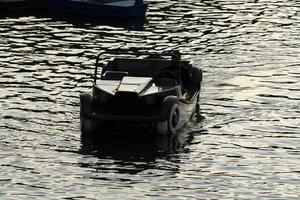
126 103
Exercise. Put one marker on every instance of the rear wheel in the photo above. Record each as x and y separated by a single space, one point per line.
196 77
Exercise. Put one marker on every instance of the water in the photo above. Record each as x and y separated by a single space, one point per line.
247 146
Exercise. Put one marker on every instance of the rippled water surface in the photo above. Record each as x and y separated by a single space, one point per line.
248 145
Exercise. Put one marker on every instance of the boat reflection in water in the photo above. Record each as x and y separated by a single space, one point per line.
135 23
100 8
84 21
136 149
18 5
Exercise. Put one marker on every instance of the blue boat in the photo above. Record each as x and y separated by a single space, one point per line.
101 8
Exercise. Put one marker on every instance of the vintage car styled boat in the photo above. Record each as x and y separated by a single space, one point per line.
100 8
158 91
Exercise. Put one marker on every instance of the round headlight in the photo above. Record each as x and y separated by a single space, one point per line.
150 100
102 98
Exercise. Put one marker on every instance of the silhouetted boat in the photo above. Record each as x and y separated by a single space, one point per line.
103 8
157 92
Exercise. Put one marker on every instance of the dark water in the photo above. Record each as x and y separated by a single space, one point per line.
248 145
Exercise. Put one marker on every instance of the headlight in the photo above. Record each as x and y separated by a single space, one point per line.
102 98
150 100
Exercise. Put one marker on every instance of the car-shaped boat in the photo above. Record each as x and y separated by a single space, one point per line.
159 91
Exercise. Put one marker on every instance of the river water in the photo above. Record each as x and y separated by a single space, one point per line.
247 147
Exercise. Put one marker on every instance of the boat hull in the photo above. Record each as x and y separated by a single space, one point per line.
92 122
82 8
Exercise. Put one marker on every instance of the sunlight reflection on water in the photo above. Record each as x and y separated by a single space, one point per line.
246 147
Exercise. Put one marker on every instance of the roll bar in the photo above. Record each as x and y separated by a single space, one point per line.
175 56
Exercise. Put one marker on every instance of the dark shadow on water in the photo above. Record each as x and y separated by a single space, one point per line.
136 23
81 21
137 149
17 14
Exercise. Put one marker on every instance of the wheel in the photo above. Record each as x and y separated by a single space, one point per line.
171 125
86 125
196 77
